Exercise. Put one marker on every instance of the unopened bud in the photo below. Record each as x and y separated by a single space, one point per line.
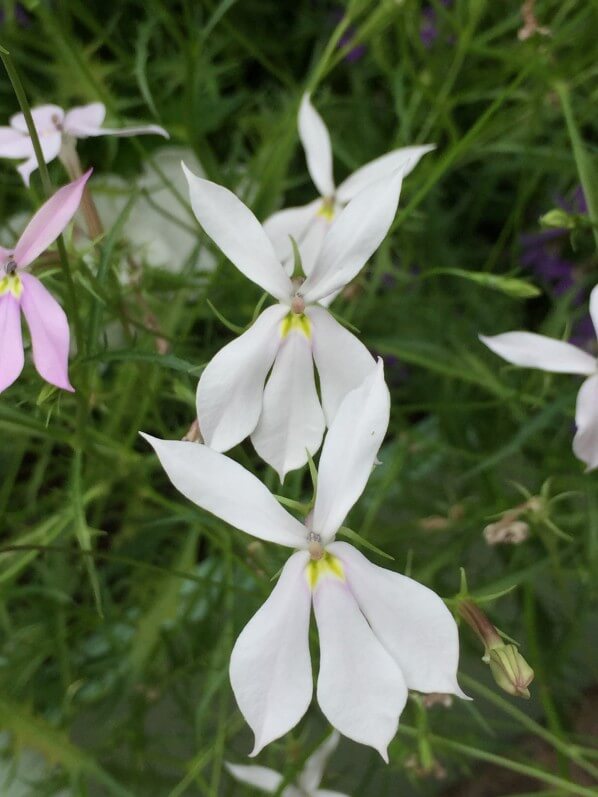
558 219
510 670
508 667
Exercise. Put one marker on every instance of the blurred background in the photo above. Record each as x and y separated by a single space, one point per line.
119 600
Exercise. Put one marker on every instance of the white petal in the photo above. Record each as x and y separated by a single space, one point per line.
223 487
293 222
46 119
270 666
50 146
14 144
311 245
538 351
405 158
230 389
238 234
360 688
260 778
313 771
343 362
292 422
353 238
84 118
585 442
316 143
594 308
349 452
410 620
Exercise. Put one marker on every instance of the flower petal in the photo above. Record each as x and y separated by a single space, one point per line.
231 387
238 234
313 771
261 778
49 221
46 119
349 452
284 224
538 351
360 688
78 121
292 422
594 307
14 144
343 362
410 620
328 793
50 146
316 143
226 489
353 237
585 442
270 666
49 328
11 342
405 159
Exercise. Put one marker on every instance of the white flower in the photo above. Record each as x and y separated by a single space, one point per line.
380 632
557 356
309 223
285 419
308 780
55 128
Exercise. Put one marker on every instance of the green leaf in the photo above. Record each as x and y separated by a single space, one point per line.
515 287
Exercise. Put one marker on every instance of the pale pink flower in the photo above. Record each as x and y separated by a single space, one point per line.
56 129
21 291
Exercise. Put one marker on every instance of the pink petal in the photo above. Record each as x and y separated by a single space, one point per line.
49 330
4 255
49 221
46 119
11 342
84 118
50 145
14 144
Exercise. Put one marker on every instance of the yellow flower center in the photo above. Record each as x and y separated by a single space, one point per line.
326 567
11 283
295 323
327 211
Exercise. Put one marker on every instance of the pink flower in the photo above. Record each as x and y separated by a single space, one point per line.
19 290
55 128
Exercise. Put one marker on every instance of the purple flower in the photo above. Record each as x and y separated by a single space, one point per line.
356 52
20 16
429 31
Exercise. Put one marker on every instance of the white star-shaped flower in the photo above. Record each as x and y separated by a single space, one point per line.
380 632
308 780
309 223
286 418
557 356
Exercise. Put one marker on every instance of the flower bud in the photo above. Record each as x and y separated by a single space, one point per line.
510 670
559 219
508 667
512 533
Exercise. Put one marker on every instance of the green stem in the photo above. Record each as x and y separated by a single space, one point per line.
505 763
21 96
585 169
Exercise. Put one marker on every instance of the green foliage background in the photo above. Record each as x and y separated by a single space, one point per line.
120 601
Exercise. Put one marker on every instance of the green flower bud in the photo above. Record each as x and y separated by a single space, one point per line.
558 218
510 670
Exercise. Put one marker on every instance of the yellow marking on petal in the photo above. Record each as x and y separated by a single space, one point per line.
295 323
327 211
326 567
11 283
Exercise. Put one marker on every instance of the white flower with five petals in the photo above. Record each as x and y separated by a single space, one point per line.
557 356
308 780
380 632
56 129
285 418
309 223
